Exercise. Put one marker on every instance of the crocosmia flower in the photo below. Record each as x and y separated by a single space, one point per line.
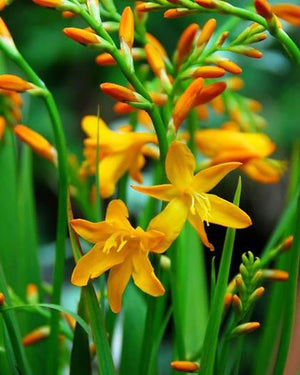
121 249
251 149
187 194
120 151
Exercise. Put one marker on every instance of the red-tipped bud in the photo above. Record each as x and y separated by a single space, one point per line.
245 328
263 8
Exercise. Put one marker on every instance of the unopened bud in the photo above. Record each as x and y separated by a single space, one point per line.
32 293
207 4
36 335
121 93
165 262
15 83
263 8
185 366
245 328
227 301
2 299
178 12
275 275
257 294
237 305
287 243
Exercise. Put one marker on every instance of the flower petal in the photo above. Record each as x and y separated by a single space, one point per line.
180 165
163 192
94 263
117 214
208 178
198 224
144 277
92 232
265 171
117 281
90 126
111 169
228 214
170 222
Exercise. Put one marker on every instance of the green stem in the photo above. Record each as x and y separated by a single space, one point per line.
135 82
61 230
215 318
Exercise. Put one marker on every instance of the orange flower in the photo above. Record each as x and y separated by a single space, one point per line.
188 198
193 96
263 8
185 366
37 142
121 249
120 92
288 12
14 83
126 30
207 31
185 42
82 36
49 3
2 126
251 149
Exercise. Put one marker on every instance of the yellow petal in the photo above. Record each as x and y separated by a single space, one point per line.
228 214
265 171
152 241
180 165
90 126
213 142
170 221
94 263
92 232
117 214
198 224
111 169
143 275
163 192
208 178
135 168
117 281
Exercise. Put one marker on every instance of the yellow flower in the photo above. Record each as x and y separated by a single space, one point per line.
120 248
251 149
188 196
120 151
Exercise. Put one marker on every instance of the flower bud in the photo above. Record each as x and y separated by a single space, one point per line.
15 83
185 366
245 328
37 142
36 336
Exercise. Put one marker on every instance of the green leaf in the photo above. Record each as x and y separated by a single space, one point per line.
27 267
134 317
52 306
215 318
192 294
80 355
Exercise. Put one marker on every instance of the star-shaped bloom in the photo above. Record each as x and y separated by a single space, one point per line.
119 151
251 149
121 249
188 198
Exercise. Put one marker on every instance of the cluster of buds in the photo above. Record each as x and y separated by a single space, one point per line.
245 291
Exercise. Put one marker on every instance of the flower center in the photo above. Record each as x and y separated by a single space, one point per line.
201 206
115 242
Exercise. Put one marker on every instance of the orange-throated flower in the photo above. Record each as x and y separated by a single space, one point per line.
119 151
251 149
121 249
188 196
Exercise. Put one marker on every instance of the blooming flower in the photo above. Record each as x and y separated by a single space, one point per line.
119 151
251 149
120 248
188 196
